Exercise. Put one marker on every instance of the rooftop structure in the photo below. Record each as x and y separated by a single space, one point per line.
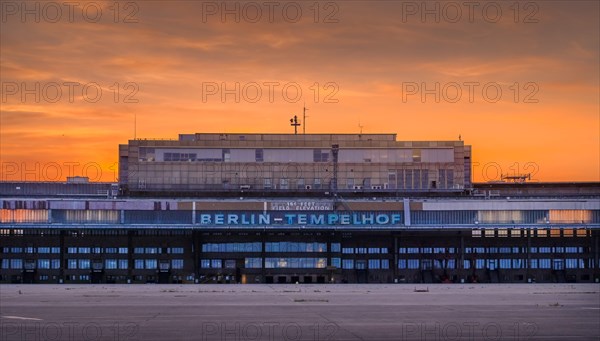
289 163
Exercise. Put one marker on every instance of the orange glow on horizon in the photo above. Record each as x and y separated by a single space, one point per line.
70 90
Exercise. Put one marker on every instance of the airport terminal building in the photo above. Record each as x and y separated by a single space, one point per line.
284 208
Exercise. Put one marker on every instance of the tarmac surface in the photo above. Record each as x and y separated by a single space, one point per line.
300 312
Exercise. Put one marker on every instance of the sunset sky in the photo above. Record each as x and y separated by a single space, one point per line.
371 61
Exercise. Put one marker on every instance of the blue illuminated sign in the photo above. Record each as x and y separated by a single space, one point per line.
301 219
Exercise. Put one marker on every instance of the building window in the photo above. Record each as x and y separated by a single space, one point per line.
123 264
84 264
320 156
348 250
258 155
110 264
416 155
336 262
177 264
216 263
283 184
123 250
55 263
335 247
151 263
374 264
347 264
267 183
138 264
350 183
253 263
71 263
479 263
226 155
544 263
413 263
43 264
317 183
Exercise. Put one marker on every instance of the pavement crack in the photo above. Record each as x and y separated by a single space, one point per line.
152 318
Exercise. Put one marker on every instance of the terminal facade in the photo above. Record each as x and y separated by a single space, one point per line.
364 223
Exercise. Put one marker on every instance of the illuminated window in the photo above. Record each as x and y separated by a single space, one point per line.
570 216
347 264
177 263
253 263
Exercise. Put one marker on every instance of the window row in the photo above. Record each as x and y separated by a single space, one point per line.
494 264
153 264
533 232
18 264
295 263
232 247
93 250
157 250
295 247
30 249
404 250
494 249
364 250
361 264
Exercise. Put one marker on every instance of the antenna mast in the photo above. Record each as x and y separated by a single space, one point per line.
304 119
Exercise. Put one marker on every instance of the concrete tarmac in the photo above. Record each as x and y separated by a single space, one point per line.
300 312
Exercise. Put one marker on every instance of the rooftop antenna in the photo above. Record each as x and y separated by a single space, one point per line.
360 126
295 124
459 137
134 125
304 118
